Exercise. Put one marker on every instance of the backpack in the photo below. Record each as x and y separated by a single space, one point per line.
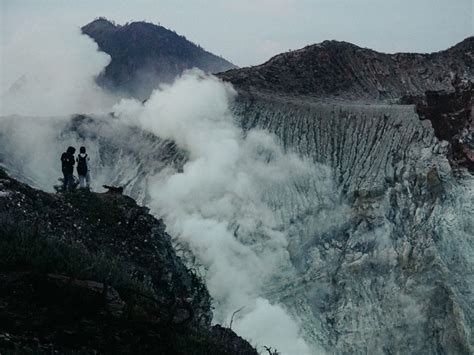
64 159
67 162
82 165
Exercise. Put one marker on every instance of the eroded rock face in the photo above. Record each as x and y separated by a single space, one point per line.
384 277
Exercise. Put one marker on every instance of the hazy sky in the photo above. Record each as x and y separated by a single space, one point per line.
248 32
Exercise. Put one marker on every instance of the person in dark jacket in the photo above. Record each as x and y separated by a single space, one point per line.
67 161
83 169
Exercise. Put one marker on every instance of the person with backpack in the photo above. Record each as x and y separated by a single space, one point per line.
83 169
67 162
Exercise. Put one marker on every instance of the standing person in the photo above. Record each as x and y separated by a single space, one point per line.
67 161
83 168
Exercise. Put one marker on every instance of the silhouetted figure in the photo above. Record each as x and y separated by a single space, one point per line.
67 161
83 169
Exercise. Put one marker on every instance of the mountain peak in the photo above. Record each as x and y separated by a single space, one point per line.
145 55
101 23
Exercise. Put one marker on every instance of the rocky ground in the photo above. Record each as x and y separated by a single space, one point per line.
96 273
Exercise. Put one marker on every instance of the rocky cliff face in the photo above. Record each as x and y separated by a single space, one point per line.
96 273
343 70
395 271
144 55
397 132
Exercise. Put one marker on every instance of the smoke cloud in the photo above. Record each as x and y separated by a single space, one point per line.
225 205
48 69
221 206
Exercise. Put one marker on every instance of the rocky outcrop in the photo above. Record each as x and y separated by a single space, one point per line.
342 70
144 55
96 273
452 117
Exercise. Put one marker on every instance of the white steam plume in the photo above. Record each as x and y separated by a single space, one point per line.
221 207
48 69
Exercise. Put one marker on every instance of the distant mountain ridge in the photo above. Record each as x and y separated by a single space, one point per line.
343 70
145 55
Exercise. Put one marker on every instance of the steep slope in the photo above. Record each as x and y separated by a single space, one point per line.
96 273
388 276
396 271
144 55
343 70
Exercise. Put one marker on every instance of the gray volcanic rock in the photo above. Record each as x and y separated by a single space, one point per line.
343 70
145 55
